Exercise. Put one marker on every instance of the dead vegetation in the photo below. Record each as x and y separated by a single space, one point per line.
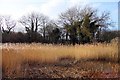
60 61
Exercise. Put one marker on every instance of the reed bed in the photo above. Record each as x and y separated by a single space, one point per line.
14 55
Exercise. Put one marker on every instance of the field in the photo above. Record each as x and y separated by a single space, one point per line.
60 61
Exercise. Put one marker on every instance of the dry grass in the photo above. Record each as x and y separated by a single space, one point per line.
14 55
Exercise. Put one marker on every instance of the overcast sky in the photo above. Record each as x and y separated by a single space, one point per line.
52 8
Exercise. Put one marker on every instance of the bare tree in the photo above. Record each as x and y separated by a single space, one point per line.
44 23
33 22
9 24
68 19
70 15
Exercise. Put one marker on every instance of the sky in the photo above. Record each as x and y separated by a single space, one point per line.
52 8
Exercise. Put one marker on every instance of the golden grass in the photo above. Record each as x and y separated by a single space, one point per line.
14 55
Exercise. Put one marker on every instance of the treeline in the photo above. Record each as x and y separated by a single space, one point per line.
19 37
75 26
